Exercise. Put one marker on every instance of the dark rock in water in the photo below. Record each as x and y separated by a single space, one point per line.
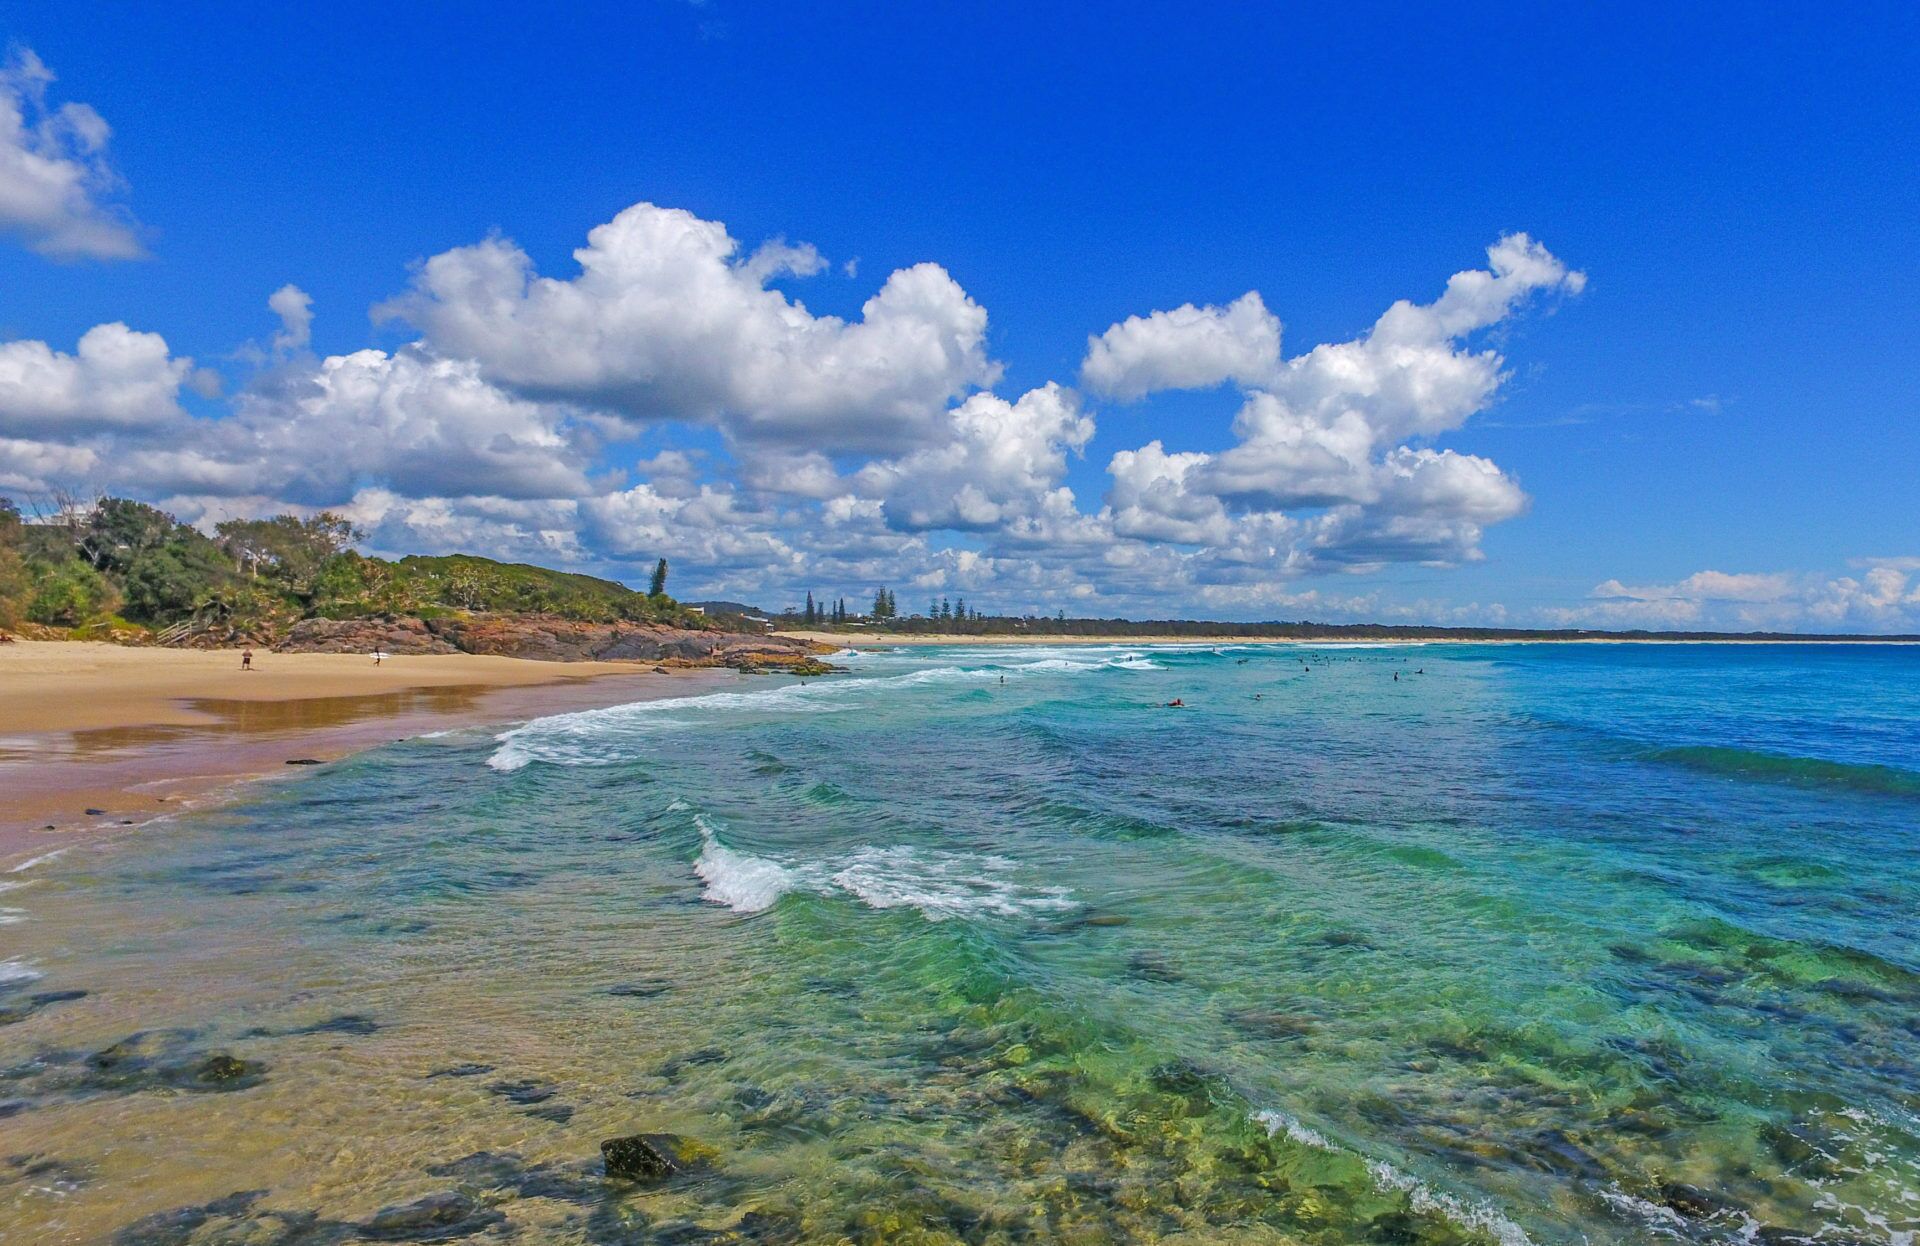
1691 1201
347 1023
176 1227
558 1113
94 813
462 1070
680 1064
639 990
221 1071
303 761
437 1217
1101 920
493 1170
351 1024
524 1092
1151 968
162 1059
11 1014
12 1107
753 1098
766 1228
653 1157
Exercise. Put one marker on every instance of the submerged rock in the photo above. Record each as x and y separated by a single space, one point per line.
164 1060
654 1157
693 1059
524 1092
20 1010
462 1070
437 1217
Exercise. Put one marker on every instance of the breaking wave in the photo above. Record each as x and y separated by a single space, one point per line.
1421 1197
940 885
620 732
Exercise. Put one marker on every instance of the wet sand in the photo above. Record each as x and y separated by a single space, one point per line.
138 733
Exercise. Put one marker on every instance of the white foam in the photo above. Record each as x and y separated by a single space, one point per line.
1477 1217
42 859
940 885
617 733
12 971
1423 1198
12 917
744 883
1280 1122
1664 1221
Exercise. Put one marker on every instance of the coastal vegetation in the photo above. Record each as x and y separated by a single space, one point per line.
121 569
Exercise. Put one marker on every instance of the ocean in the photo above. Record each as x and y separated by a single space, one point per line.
1399 944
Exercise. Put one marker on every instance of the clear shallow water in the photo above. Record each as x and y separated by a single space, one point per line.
1549 944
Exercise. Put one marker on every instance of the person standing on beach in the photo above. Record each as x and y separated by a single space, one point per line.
246 659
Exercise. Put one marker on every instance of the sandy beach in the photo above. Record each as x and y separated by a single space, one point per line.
133 733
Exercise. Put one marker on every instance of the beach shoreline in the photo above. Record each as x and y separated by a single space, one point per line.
139 733
848 640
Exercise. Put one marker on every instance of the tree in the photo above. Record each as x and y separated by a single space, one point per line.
658 586
121 530
70 594
880 604
291 549
810 617
893 609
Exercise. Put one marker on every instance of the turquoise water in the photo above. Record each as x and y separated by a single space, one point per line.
1534 943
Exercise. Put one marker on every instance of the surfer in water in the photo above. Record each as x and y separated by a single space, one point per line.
1176 704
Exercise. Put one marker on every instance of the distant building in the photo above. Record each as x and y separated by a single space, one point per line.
696 609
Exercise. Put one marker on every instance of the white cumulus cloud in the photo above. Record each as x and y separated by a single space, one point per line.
665 322
54 174
1186 348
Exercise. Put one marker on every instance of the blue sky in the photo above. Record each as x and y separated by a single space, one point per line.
1716 427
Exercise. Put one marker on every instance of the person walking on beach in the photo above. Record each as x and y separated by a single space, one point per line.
246 659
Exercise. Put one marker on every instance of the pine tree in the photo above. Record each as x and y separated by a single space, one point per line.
659 586
810 616
880 604
933 608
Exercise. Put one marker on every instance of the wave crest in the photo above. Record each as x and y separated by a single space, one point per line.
940 885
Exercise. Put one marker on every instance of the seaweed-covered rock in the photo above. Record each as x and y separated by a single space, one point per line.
654 1157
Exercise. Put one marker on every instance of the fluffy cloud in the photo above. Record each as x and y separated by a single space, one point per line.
54 172
1328 429
294 307
1186 348
116 378
997 461
1885 597
666 322
670 400
421 426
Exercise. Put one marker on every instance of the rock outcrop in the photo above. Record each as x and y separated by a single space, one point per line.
548 638
396 636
